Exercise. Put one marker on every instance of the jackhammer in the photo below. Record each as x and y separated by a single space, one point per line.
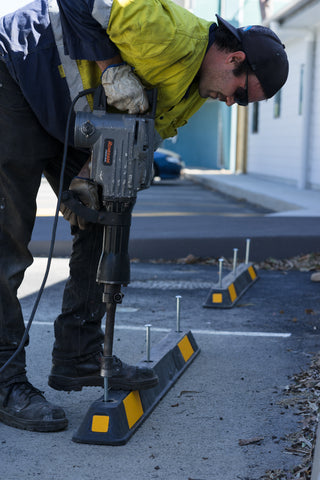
122 148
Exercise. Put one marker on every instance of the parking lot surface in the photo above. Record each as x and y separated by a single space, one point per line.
224 418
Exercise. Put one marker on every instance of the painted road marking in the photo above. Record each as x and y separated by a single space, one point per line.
49 212
227 333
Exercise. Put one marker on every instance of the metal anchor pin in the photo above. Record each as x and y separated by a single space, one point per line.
148 341
220 271
247 251
178 297
235 254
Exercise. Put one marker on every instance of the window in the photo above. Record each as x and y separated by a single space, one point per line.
277 105
255 118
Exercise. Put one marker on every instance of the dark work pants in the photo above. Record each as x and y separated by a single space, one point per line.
26 152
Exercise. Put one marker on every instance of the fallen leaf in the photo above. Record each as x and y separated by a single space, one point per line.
186 392
250 441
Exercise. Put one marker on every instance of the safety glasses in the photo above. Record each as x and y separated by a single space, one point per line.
240 96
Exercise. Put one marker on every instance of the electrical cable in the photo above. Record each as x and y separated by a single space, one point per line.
53 235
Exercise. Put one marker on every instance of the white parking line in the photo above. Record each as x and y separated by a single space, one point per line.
195 331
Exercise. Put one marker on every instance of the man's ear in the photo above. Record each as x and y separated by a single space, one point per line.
235 58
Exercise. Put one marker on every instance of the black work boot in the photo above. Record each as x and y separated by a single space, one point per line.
131 377
87 374
23 406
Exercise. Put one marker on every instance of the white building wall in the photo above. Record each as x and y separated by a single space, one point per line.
314 167
275 150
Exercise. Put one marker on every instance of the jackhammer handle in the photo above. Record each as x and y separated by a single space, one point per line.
71 200
100 100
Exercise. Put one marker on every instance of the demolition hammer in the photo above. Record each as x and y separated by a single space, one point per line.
122 147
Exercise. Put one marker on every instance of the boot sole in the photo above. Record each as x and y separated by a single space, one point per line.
33 426
68 384
143 385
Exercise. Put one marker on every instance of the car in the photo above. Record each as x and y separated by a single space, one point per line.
167 164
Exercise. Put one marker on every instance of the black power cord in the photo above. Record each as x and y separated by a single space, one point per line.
54 231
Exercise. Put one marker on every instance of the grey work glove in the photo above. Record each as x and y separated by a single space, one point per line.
123 89
87 193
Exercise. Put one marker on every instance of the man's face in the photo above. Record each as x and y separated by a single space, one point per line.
218 81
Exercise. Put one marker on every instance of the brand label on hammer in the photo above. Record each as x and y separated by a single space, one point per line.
108 151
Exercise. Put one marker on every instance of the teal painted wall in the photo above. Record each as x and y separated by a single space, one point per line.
205 141
197 142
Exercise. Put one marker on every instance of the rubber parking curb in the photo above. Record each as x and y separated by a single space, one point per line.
232 287
114 421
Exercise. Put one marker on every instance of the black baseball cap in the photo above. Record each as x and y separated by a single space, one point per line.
265 54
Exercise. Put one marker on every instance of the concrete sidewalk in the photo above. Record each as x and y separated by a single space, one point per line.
285 200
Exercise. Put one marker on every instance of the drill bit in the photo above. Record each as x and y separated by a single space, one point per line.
111 296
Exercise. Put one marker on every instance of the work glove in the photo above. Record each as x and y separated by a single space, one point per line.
123 89
87 193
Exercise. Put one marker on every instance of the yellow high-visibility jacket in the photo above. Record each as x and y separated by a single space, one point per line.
166 45
51 48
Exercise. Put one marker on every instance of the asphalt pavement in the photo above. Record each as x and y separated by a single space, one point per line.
226 418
